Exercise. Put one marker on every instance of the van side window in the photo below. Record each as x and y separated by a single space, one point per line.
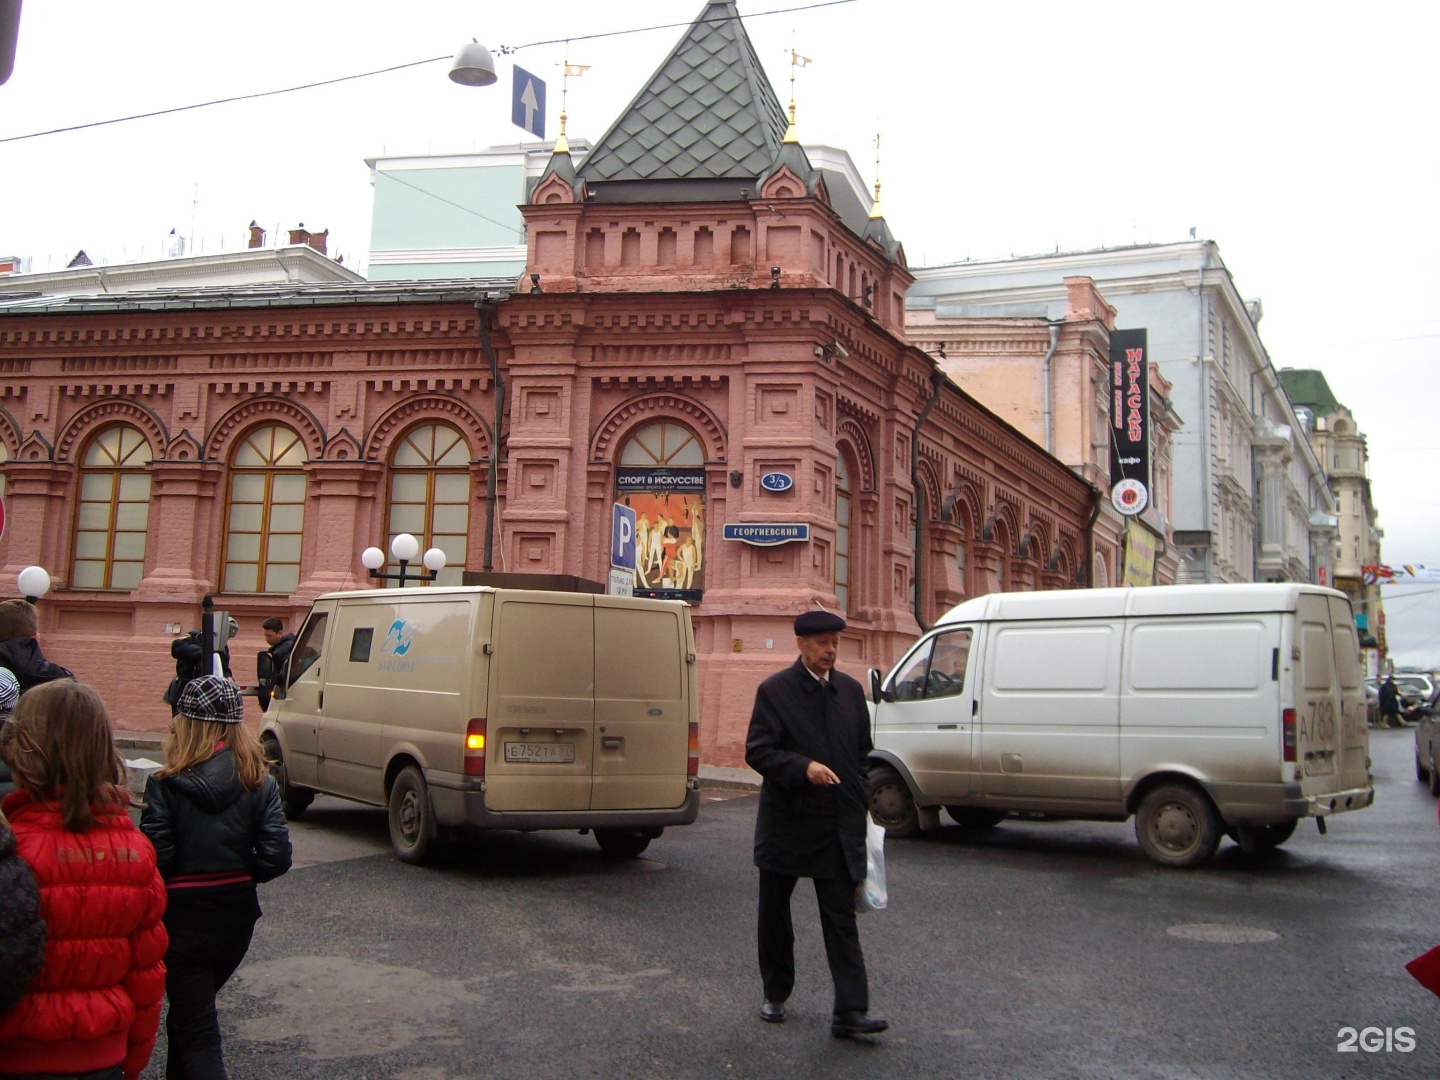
937 670
307 648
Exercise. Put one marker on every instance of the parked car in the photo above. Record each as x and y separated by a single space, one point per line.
1416 688
1426 719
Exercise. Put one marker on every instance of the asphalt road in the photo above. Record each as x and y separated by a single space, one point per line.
1044 950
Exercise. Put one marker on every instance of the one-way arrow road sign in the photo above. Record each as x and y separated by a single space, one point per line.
527 106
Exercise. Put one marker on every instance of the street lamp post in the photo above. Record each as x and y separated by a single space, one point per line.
33 583
404 548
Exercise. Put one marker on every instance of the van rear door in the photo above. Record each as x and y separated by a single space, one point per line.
643 690
541 723
1318 715
1354 735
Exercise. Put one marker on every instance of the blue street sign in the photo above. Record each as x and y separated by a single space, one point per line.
622 538
767 534
527 106
777 481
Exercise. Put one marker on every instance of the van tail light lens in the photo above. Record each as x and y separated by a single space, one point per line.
1287 734
475 747
692 767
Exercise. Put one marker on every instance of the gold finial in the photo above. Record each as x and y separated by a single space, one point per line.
796 61
875 206
562 145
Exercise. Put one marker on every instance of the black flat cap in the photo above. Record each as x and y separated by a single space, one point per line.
818 622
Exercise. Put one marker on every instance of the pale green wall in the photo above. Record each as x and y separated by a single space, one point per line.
447 208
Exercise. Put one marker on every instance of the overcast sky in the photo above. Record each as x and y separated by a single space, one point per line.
1300 139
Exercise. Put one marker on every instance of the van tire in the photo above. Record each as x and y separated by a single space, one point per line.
974 818
412 818
1434 776
621 843
1269 837
1177 826
891 804
1420 773
294 801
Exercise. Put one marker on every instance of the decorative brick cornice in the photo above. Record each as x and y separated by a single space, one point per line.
852 431
630 414
258 411
110 411
441 407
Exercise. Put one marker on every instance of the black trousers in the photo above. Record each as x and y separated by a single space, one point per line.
836 899
197 964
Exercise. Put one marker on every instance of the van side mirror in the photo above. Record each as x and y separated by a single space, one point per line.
877 695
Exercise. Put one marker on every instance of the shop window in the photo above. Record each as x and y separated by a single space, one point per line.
661 476
113 511
430 495
266 512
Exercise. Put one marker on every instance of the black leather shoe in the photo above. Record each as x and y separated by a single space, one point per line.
773 1012
845 1025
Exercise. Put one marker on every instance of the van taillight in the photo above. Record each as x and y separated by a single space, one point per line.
692 767
475 747
1287 734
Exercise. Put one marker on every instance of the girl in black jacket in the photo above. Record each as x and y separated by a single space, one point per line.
213 814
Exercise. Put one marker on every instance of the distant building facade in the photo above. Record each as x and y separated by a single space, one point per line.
1050 378
1342 450
1250 502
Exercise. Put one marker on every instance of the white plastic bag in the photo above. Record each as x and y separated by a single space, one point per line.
872 895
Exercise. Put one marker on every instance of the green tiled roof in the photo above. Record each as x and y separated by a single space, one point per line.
1307 387
707 113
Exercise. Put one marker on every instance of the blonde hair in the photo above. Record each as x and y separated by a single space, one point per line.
60 736
194 742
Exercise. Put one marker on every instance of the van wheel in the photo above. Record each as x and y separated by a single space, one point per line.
891 804
1420 773
1434 776
412 819
621 843
294 801
975 819
1177 826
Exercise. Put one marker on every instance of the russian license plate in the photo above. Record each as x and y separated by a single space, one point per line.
1320 764
541 753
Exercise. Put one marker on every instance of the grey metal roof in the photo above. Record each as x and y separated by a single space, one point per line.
308 294
708 112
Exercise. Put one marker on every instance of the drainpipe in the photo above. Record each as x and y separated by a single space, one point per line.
1049 407
937 380
1099 497
483 309
1205 474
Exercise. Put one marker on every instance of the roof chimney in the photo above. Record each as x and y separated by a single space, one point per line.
299 234
257 236
302 235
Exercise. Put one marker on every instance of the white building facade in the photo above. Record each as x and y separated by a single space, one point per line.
1250 500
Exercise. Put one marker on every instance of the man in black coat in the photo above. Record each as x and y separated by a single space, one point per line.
809 738
281 645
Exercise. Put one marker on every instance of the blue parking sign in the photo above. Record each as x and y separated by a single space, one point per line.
622 538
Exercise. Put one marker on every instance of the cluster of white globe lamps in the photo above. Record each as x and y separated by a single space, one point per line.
403 548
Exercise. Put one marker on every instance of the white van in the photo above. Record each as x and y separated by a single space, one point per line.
489 708
1200 709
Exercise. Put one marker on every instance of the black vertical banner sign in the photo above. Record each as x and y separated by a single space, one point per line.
1129 407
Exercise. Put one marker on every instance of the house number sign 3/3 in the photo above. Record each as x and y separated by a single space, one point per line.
777 481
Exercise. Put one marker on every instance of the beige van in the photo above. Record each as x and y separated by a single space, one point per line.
1201 710
487 708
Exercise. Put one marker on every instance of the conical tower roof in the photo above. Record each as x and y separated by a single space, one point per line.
707 114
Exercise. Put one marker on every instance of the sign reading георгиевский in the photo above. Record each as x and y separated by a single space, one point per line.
1129 408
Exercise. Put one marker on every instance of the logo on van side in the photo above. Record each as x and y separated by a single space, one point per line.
398 638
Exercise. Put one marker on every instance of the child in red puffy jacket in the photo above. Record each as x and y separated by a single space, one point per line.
94 1008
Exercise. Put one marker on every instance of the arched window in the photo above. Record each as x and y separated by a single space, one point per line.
113 511
266 512
430 495
4 457
842 531
661 476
